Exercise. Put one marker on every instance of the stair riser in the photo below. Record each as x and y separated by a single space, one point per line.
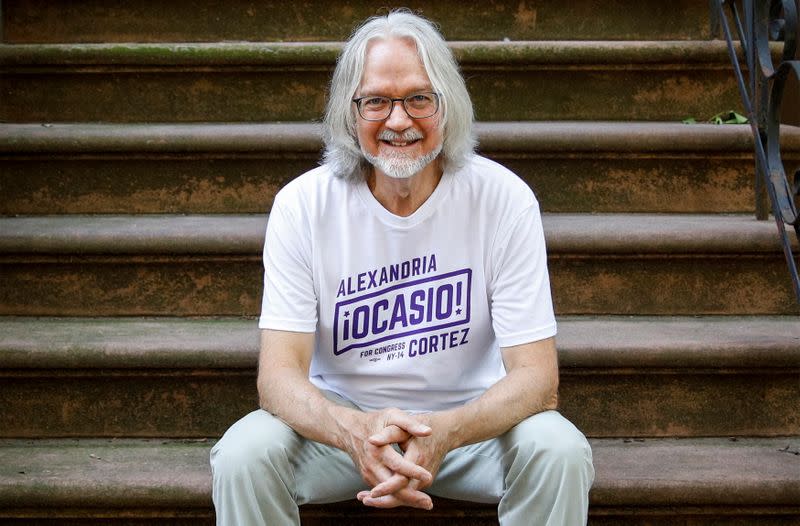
596 183
710 516
185 21
204 285
116 517
156 185
669 93
661 285
682 403
107 403
193 286
333 516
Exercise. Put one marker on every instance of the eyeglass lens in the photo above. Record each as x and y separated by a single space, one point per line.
418 106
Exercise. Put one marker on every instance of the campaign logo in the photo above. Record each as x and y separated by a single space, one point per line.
415 307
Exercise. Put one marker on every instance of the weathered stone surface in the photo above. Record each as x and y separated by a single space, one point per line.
185 21
585 167
193 378
263 82
698 481
211 265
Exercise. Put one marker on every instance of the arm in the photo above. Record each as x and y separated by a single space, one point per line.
530 387
285 391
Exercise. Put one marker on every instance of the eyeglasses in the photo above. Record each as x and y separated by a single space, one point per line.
417 106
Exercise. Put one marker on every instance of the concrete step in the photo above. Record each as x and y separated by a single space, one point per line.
185 21
620 377
648 482
208 265
532 80
597 167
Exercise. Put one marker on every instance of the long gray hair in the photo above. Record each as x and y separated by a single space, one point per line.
342 152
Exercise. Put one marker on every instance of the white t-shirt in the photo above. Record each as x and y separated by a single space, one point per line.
408 312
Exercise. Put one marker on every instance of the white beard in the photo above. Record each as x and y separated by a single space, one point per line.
399 165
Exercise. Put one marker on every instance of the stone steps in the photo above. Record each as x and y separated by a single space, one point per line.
224 82
142 144
653 481
180 377
590 167
206 265
182 20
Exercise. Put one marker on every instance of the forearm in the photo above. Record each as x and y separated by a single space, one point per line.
288 394
285 390
526 390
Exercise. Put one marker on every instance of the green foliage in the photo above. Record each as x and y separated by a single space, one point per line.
725 117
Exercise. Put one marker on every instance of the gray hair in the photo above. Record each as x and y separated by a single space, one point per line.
342 152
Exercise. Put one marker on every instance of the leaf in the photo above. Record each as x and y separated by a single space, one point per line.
728 117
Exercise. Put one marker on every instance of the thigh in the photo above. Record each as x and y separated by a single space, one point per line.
478 472
325 474
313 472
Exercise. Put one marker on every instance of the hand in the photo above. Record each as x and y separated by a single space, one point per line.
378 463
425 451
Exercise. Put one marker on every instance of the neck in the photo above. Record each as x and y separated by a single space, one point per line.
403 197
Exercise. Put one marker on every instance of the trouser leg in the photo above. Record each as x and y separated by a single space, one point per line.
263 470
540 472
253 477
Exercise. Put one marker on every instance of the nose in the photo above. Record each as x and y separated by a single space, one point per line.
398 119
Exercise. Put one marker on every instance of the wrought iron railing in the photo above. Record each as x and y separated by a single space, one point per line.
758 23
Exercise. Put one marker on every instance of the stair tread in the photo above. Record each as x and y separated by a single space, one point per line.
244 233
487 53
529 136
621 80
596 342
200 21
163 473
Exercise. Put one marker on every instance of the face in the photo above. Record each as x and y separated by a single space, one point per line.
399 146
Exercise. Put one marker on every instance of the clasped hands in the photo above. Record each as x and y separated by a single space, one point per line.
397 478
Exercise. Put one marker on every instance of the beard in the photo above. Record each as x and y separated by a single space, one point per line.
400 165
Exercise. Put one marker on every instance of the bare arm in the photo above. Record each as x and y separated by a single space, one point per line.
530 387
285 391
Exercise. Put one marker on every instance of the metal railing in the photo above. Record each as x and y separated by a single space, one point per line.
758 23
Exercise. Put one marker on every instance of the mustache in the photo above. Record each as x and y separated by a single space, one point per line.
406 136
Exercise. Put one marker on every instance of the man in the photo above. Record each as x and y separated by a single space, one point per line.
407 346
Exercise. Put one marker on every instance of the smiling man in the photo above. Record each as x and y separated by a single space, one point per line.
407 344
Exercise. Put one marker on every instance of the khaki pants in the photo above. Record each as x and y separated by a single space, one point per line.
539 473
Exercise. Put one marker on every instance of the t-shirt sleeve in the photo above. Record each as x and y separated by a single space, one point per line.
522 307
289 302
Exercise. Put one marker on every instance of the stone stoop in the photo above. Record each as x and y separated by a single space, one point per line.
141 147
56 21
256 82
211 168
632 377
128 481
208 265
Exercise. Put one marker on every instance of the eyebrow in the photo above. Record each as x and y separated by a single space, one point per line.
375 93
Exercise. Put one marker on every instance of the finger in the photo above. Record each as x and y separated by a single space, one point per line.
394 484
412 498
404 465
390 434
409 423
373 469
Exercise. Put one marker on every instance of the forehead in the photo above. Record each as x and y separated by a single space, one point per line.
393 67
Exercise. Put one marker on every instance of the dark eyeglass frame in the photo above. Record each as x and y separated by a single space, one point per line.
436 98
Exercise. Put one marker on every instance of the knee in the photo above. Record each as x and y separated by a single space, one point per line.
550 442
258 442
